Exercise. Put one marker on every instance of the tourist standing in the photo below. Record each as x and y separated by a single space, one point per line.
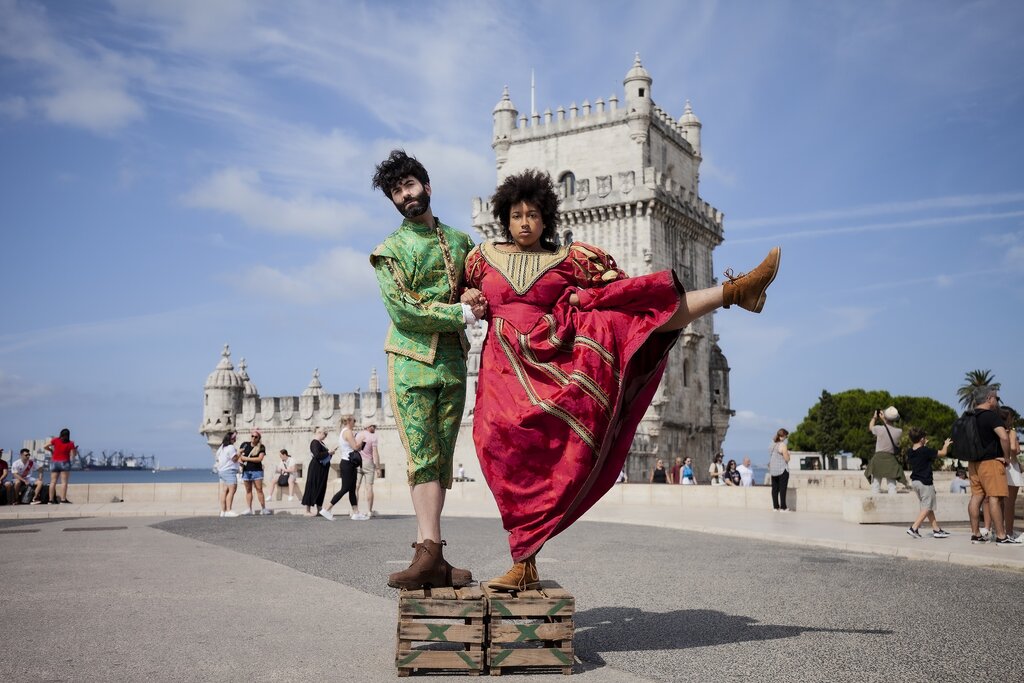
370 469
732 475
687 472
658 475
988 471
778 469
62 448
23 471
419 269
252 453
1014 480
884 463
228 469
921 458
348 465
746 473
676 473
716 470
316 475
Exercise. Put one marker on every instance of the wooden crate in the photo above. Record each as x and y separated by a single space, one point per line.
530 630
441 630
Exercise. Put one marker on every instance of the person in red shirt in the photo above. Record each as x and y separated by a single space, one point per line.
62 448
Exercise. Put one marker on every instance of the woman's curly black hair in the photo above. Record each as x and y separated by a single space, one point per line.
536 188
397 166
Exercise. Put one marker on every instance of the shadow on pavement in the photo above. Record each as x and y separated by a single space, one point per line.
623 629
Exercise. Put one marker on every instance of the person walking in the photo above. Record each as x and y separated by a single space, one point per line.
659 475
884 463
251 456
227 470
316 475
778 469
921 458
62 448
687 472
717 470
348 464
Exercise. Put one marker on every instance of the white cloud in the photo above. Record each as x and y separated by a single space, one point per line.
840 321
82 85
241 193
339 275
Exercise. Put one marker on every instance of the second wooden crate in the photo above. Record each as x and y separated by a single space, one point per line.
531 629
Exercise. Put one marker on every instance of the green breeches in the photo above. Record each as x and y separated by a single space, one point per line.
427 400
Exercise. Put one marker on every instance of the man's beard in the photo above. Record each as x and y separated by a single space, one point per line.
417 206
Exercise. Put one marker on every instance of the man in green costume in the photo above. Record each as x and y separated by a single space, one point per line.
419 269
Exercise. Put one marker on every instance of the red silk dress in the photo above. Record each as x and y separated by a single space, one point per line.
562 388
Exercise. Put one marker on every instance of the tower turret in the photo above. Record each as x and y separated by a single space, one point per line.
504 123
691 127
248 388
638 100
222 400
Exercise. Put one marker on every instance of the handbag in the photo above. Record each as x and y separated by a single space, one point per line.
355 458
282 480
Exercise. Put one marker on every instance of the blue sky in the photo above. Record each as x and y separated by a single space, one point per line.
177 175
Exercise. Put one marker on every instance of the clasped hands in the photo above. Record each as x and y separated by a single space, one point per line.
476 301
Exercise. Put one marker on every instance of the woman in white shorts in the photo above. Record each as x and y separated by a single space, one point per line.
1014 478
227 470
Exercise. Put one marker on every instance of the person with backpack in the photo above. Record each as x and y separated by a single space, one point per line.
979 436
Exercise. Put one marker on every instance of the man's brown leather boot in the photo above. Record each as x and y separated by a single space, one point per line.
429 570
522 576
747 290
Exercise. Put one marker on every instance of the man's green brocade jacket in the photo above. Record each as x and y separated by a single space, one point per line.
420 270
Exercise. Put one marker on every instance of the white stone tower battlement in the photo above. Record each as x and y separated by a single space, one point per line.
628 175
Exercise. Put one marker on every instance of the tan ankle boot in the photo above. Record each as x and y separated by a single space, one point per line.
429 569
522 576
747 290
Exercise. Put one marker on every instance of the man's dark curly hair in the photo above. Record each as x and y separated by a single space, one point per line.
536 188
397 166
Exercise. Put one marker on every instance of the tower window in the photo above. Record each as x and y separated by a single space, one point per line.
642 91
686 372
568 182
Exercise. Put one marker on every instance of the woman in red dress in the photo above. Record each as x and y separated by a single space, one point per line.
573 355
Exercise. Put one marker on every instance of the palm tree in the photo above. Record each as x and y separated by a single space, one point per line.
973 380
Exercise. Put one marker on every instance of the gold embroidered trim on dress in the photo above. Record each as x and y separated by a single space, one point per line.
521 269
548 407
588 385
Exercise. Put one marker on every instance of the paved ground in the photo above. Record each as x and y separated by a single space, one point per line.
288 598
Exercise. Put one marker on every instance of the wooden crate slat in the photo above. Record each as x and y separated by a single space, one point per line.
440 659
443 594
521 633
441 633
428 607
547 607
549 656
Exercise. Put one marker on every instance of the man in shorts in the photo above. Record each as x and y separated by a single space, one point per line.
988 473
419 269
370 468
23 470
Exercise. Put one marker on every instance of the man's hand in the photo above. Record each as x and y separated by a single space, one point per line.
574 299
476 301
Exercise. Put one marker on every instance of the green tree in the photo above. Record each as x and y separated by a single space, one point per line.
973 380
853 410
828 438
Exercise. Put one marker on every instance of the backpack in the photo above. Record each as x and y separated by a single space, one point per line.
966 438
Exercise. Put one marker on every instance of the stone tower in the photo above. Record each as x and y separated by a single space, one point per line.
628 178
222 399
